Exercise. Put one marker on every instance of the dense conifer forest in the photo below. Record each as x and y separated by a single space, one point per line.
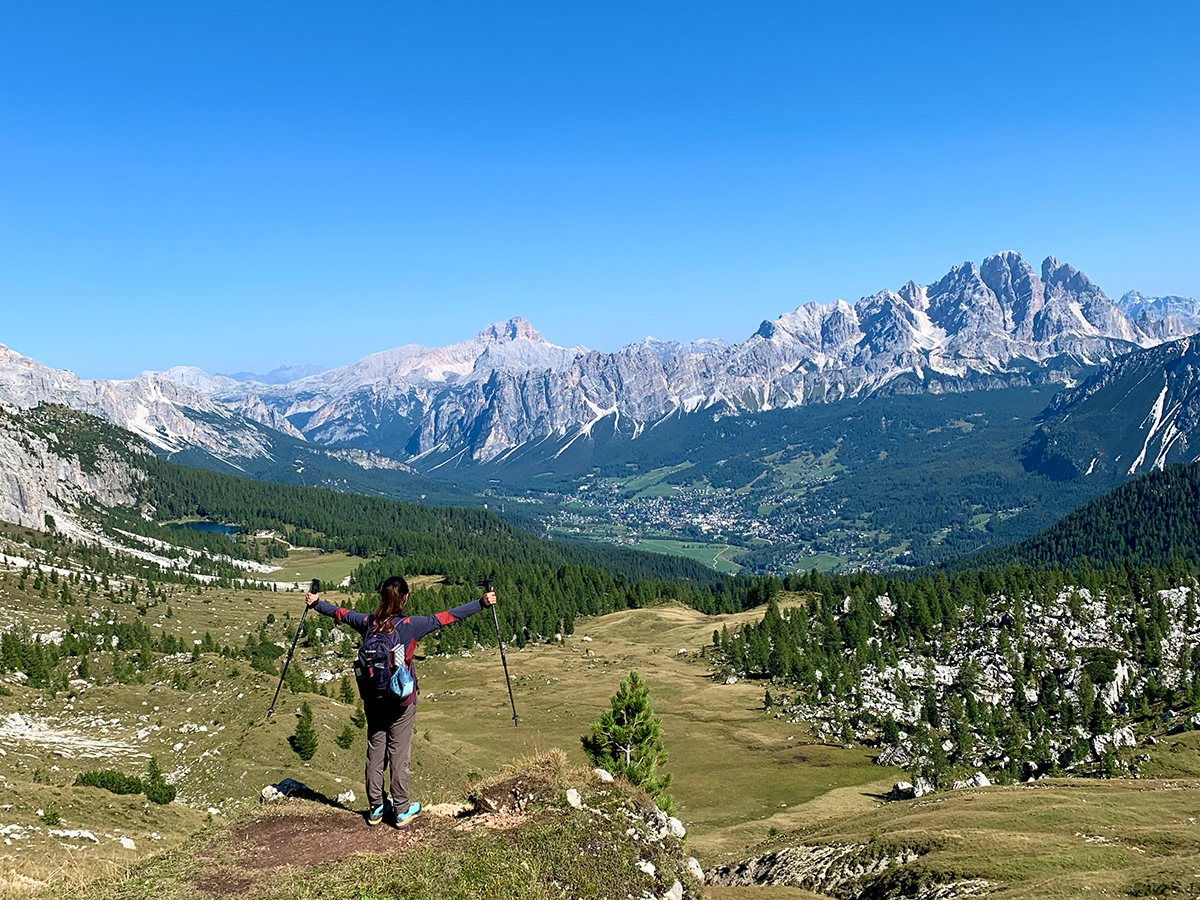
1147 521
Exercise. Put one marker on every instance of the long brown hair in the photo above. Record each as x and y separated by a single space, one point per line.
393 596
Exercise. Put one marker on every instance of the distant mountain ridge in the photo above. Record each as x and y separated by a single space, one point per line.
1138 413
1148 521
279 375
509 391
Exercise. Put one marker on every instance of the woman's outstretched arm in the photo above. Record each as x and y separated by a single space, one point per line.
423 625
356 620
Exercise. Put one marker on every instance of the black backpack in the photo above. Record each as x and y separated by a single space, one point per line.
373 669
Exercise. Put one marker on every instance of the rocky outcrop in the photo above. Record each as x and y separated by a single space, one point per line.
847 872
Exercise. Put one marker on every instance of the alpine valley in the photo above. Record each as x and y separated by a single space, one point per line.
910 427
1016 450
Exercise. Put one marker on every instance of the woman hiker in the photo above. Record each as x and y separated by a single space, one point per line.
390 718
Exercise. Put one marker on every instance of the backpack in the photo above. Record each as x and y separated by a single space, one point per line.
374 672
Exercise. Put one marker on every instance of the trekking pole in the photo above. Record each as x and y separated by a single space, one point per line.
486 584
314 588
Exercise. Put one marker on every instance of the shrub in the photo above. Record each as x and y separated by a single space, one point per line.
110 780
51 815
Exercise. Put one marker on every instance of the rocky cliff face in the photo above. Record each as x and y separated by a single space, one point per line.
52 463
509 388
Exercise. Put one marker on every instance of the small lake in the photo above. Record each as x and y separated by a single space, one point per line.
217 527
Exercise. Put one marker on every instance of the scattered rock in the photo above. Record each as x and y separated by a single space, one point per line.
675 893
646 866
922 786
676 828
902 790
732 679
448 810
270 794
896 755
603 775
573 799
694 868
80 834
682 651
345 798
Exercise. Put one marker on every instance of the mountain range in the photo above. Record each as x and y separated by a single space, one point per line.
510 391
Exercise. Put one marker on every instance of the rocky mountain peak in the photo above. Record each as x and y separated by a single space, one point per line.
1066 276
915 295
515 329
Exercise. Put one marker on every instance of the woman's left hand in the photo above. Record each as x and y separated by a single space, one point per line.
311 600
488 599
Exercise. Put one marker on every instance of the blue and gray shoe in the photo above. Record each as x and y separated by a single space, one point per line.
403 819
376 815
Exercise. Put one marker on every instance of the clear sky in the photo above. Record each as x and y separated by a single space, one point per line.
241 185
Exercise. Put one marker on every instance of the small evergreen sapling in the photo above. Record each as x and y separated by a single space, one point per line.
304 741
627 740
345 740
156 787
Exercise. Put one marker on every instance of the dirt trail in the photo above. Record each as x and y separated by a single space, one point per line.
316 838
306 833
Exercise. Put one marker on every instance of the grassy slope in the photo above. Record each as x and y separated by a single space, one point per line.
738 773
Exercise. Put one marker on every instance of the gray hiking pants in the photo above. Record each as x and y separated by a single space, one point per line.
389 743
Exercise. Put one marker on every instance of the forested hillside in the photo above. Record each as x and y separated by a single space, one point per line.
1020 671
546 584
1145 522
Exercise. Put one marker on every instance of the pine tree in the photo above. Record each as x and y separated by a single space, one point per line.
304 741
359 719
346 693
345 740
627 740
156 787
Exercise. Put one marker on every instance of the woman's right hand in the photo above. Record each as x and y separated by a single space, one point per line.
311 600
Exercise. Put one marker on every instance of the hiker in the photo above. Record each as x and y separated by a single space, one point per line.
389 640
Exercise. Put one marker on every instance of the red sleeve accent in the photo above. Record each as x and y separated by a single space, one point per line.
339 614
408 653
445 618
407 620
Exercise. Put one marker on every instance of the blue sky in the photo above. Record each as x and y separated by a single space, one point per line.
237 186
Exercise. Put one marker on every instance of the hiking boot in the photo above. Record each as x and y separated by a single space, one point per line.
375 816
403 819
